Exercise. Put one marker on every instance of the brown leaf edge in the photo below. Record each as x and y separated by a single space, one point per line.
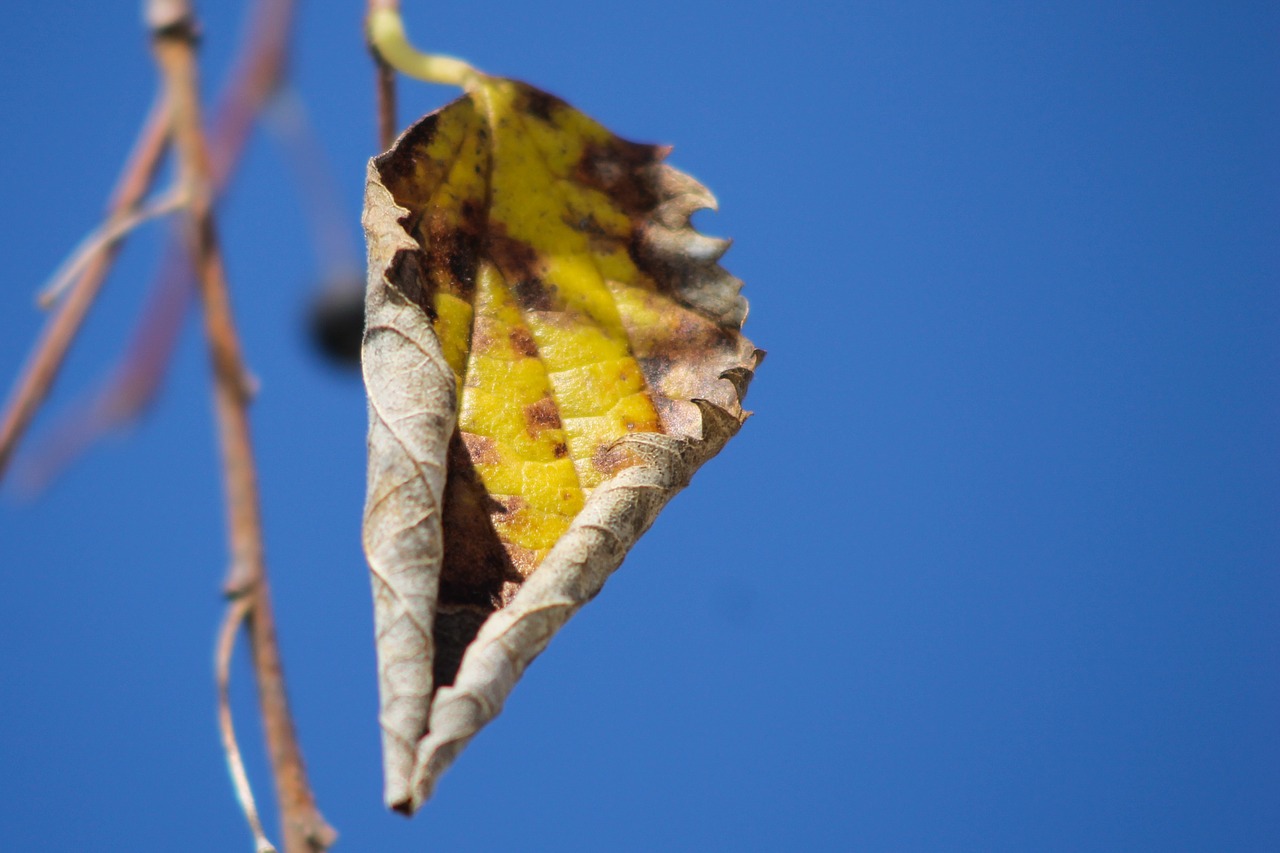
412 414
411 418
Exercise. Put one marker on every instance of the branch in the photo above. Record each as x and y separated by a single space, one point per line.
173 27
385 84
262 57
101 239
46 359
231 622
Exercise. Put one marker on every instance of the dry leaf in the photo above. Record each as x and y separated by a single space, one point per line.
550 352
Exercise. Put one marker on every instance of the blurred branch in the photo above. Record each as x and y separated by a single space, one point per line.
336 251
42 368
173 27
133 383
103 238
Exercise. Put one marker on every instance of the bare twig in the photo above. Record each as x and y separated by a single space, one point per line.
102 238
385 84
387 121
131 386
46 359
256 79
234 618
173 29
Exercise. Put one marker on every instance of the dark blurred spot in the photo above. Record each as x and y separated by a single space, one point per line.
335 322
538 103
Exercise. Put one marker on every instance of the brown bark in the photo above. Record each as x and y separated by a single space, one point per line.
173 28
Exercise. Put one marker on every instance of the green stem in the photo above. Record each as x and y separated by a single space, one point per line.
386 34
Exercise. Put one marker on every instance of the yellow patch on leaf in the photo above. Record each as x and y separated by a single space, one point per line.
557 273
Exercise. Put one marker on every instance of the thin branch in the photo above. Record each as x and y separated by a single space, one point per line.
234 618
255 80
106 236
173 30
386 86
134 382
385 82
47 356
126 391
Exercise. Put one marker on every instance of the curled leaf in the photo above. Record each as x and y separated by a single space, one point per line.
551 351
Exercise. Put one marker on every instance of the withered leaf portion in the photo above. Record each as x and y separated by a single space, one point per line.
551 351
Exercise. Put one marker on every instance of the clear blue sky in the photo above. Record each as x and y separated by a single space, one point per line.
994 567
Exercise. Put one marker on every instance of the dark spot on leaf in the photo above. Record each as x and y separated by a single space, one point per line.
480 449
462 256
538 103
396 167
407 271
587 224
452 252
542 415
654 368
607 459
533 294
472 214
620 169
561 450
523 342
515 259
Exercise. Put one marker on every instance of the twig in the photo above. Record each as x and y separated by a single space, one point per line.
385 83
234 618
304 828
105 236
133 384
253 83
47 356
387 121
173 29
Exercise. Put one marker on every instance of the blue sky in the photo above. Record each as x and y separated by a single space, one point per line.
994 566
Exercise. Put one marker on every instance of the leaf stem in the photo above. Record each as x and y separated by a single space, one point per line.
387 36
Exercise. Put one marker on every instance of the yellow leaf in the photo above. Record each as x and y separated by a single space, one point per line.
551 351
